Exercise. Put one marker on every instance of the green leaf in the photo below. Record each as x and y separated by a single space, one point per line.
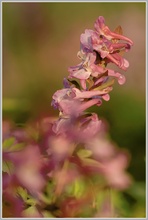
83 153
8 143
11 145
91 162
100 198
31 201
7 167
31 212
47 214
45 199
120 203
137 190
79 187
17 147
22 192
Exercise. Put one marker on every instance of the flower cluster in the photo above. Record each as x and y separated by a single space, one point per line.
91 81
67 167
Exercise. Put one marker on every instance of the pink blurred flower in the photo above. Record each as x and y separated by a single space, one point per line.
115 172
27 166
114 161
101 148
59 147
80 129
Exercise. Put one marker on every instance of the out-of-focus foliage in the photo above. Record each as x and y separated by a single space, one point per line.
40 41
44 179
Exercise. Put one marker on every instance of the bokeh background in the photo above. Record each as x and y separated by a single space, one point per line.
40 42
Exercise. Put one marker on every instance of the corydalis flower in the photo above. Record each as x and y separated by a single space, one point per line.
102 29
72 101
85 68
110 50
103 45
106 43
114 162
63 100
79 129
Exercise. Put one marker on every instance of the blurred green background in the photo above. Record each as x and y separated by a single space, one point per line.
41 40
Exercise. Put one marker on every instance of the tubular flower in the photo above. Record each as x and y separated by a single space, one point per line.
102 29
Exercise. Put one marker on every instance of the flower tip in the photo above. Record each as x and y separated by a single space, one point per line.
101 19
99 23
131 43
121 80
106 97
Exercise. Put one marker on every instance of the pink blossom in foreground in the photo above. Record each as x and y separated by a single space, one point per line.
115 172
81 129
114 162
27 167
